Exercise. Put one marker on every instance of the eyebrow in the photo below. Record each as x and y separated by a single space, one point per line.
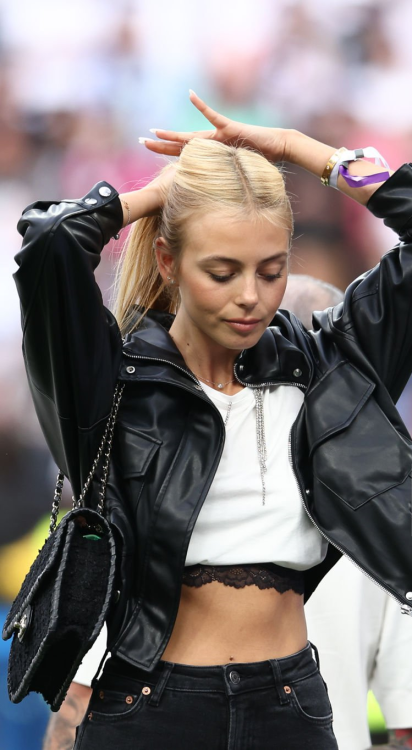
223 259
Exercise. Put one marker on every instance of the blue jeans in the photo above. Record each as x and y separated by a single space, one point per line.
278 704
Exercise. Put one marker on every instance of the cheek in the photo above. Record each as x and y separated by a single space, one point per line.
203 295
273 294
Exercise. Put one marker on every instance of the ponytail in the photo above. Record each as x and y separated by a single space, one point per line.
209 177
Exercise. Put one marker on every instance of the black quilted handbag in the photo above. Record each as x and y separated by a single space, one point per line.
65 597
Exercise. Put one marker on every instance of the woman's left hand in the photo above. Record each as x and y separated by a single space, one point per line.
271 142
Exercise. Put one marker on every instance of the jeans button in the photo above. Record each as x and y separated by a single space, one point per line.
234 677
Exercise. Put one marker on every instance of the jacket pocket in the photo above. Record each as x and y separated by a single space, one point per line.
135 450
356 451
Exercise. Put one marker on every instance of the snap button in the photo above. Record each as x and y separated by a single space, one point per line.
129 699
105 192
406 609
198 387
409 595
287 689
91 201
130 369
234 677
146 691
297 373
307 492
241 367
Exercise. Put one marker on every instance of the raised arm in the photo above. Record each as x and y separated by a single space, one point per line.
277 144
71 342
376 315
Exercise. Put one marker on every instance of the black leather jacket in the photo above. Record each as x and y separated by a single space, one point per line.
351 452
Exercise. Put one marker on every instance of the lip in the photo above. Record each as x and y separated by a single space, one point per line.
243 324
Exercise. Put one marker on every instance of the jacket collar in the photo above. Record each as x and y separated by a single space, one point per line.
276 358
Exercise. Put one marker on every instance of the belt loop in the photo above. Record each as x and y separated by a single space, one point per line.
316 654
284 697
157 693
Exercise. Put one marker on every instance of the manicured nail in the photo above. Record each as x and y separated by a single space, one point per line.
143 140
154 130
192 92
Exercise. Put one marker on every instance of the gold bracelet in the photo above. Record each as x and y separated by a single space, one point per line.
329 166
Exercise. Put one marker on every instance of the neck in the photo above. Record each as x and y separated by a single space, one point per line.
208 360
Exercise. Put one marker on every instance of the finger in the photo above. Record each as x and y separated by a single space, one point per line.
218 120
162 147
173 135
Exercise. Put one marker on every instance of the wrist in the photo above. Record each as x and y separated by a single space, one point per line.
291 141
307 153
143 202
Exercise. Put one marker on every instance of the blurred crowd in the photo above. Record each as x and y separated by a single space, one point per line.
80 81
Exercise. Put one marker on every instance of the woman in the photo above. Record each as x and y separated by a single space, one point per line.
224 428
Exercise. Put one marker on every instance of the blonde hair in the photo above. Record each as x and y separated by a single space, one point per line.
209 177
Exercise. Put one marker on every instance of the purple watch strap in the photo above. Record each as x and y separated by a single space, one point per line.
356 181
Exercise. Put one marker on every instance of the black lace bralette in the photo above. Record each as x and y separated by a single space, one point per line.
262 575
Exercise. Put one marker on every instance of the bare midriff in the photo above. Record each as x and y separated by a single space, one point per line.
218 624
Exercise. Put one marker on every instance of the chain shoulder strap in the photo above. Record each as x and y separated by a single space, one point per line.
106 441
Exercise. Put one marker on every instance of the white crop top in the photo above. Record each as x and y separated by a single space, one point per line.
233 526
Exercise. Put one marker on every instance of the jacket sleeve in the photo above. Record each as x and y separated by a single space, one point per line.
375 317
71 342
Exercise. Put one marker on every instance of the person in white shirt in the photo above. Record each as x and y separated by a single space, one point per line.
347 609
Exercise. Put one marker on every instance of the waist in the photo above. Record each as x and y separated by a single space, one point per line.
216 624
235 676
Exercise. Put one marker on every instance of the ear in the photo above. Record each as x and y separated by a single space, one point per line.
165 260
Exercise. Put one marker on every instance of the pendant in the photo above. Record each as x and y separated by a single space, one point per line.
220 385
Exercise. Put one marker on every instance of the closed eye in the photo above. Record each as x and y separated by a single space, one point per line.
216 277
265 276
271 276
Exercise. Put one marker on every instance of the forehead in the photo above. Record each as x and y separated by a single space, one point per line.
234 236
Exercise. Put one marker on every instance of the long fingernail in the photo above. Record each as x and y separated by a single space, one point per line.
154 130
192 92
143 140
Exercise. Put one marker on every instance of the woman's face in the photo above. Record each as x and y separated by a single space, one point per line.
232 276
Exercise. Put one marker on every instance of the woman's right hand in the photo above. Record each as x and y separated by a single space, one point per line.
271 142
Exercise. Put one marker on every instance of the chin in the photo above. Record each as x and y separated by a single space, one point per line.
238 342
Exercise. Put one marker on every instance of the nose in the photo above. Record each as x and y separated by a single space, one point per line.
248 293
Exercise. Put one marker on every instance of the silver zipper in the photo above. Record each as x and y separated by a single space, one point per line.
195 379
166 361
266 383
187 372
330 540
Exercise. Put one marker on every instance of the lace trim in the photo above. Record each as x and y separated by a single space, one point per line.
264 576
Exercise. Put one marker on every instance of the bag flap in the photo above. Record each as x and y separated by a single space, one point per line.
42 566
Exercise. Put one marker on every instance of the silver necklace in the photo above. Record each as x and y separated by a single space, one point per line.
260 425
229 406
260 436
218 385
261 439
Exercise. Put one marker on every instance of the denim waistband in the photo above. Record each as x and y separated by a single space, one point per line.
232 678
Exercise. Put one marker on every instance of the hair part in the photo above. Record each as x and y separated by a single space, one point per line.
209 177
